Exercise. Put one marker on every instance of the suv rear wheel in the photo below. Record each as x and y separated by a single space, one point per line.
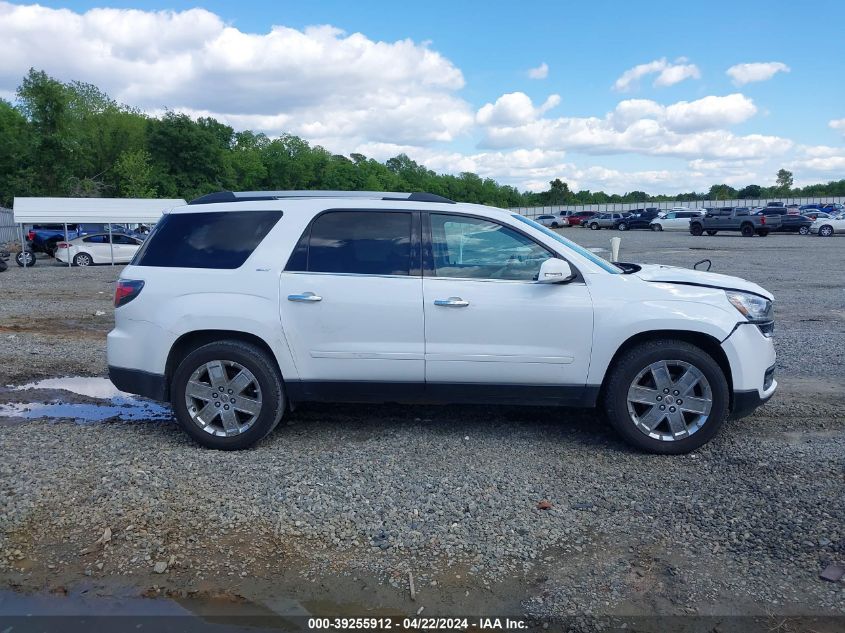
227 395
666 396
696 229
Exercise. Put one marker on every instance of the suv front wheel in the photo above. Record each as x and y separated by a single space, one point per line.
227 395
666 396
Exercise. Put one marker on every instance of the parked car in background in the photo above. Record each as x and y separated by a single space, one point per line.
793 209
774 204
827 227
553 221
674 221
834 208
815 214
578 218
640 220
42 238
95 249
734 219
792 223
606 220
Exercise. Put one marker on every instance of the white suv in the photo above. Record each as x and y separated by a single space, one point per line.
241 305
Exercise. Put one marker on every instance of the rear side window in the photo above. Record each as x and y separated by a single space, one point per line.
97 239
356 242
206 240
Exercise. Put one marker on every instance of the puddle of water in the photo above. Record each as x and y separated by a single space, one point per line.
84 386
117 404
86 413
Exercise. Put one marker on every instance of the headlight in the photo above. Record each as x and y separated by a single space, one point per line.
753 307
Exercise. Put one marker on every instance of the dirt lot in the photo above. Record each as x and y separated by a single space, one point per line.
334 510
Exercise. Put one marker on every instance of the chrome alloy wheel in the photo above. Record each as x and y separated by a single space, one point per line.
669 400
223 398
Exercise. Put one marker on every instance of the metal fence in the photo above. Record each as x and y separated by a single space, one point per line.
533 212
8 229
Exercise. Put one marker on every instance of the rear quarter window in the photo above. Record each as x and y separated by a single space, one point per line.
222 239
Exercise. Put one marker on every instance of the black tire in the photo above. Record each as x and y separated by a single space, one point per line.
30 259
696 229
804 230
712 232
656 227
257 361
3 266
625 370
747 230
594 226
622 226
826 230
555 225
82 259
762 232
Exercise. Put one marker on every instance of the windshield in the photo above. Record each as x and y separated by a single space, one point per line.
583 252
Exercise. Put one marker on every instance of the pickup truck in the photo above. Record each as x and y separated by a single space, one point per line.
734 219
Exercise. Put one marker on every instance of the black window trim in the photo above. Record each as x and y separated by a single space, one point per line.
414 265
428 249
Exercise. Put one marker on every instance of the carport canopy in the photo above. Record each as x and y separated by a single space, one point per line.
98 210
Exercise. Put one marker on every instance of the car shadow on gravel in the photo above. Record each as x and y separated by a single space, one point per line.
359 422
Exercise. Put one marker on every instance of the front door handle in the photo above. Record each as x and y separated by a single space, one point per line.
451 302
306 297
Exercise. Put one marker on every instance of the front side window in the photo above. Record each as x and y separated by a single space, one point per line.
356 242
466 247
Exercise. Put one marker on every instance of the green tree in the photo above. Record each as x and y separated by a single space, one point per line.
784 180
134 173
44 101
721 192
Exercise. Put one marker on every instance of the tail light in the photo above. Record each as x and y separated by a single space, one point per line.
62 245
762 219
126 290
30 235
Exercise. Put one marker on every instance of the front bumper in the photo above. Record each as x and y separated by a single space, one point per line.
746 402
752 360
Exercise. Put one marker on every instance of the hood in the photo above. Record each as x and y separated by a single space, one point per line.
688 276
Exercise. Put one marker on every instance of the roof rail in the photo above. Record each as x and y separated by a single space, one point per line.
247 196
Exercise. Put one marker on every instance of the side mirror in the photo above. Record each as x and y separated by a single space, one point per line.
555 271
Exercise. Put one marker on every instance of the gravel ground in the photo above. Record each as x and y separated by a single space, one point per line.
344 501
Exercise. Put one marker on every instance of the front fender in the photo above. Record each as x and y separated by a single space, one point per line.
614 326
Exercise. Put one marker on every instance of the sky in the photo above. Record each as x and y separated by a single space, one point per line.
607 95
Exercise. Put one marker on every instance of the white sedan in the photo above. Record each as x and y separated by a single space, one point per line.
826 227
95 249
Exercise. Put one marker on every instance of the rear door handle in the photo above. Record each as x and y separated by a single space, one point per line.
451 302
305 297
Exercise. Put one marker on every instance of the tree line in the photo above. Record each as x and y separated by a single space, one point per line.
72 139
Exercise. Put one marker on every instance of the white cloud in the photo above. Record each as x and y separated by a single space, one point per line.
686 129
668 74
837 124
541 72
820 151
331 87
672 75
758 71
513 108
